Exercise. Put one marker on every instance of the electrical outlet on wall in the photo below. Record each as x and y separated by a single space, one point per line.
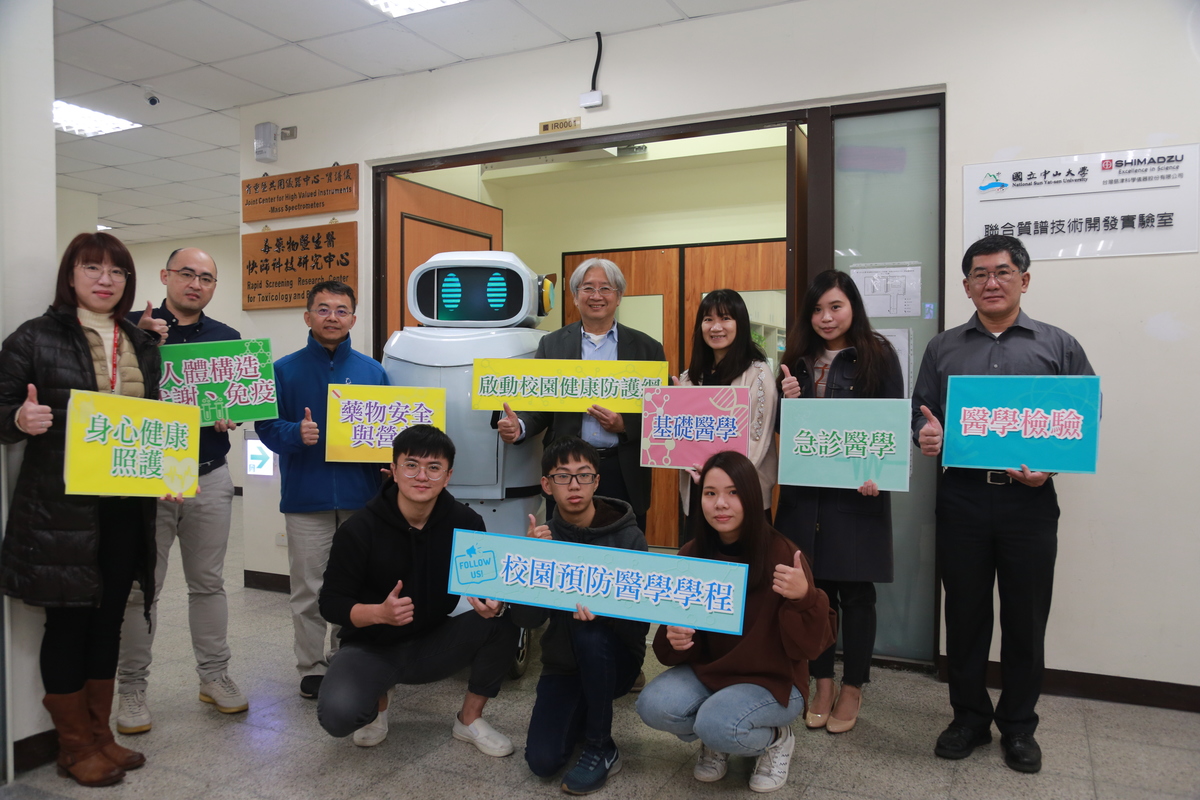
281 539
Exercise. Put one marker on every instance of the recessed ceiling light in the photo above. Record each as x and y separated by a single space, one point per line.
86 122
103 228
400 8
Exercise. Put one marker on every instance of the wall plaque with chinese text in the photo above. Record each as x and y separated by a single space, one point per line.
1119 203
362 421
563 384
130 447
300 194
843 443
684 425
1050 423
699 593
279 267
226 380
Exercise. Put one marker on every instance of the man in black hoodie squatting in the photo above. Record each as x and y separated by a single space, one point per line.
587 661
386 586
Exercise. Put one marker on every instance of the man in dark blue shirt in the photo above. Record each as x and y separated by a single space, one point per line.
200 523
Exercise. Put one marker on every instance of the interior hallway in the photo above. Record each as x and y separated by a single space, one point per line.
1094 750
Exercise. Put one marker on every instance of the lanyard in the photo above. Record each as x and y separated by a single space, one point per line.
112 375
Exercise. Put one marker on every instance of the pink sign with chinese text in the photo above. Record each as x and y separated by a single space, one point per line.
683 425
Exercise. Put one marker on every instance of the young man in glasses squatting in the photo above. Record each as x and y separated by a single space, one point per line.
316 496
994 524
386 587
587 661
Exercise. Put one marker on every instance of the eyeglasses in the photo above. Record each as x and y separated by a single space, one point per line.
980 277
565 478
340 313
603 291
94 271
434 472
187 276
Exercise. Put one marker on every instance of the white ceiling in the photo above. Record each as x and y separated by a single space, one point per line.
178 175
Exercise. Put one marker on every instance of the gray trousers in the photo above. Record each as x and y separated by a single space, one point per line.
201 524
309 538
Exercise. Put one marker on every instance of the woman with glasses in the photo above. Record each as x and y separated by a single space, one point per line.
847 533
76 555
724 354
738 694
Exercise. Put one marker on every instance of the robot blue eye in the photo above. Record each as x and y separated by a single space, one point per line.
451 291
497 290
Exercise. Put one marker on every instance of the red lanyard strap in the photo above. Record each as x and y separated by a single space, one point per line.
112 376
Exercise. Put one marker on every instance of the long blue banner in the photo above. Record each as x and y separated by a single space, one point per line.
630 584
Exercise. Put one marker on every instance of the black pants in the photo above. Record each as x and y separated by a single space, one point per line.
360 673
855 603
82 644
569 708
988 533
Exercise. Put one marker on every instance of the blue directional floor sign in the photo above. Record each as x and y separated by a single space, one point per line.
630 584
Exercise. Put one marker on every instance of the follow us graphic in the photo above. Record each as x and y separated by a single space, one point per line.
476 566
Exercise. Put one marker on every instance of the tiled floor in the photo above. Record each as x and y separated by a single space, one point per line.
277 750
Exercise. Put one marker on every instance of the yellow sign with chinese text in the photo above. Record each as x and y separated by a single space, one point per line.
130 447
567 384
362 421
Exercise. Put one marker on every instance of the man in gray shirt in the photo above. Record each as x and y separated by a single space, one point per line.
994 523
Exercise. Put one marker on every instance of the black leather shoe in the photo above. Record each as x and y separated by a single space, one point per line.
1021 752
959 741
310 686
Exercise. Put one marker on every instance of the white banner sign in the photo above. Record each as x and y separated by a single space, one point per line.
1131 202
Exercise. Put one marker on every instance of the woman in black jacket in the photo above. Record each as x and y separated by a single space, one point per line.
74 555
846 533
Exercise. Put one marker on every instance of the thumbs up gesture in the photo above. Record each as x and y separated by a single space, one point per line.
395 610
790 581
930 437
33 418
509 426
790 386
537 531
309 432
155 326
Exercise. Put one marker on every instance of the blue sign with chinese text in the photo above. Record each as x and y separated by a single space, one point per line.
630 584
1050 423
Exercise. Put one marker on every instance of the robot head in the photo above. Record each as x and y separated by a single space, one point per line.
479 289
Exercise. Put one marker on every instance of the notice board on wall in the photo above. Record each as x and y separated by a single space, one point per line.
279 267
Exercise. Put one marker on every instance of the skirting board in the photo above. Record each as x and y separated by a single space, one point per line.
1109 688
267 581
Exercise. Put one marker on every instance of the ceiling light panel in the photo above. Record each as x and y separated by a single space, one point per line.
86 122
402 8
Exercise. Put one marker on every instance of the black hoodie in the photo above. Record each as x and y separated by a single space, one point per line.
613 525
377 547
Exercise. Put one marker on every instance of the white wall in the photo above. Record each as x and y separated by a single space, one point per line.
1028 79
77 212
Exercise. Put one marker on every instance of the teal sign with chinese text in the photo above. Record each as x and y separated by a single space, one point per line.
843 443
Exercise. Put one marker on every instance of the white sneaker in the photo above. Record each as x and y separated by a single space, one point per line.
133 715
771 768
224 694
479 733
710 765
373 732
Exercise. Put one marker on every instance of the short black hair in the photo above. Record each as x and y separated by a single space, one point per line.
423 441
564 449
333 287
995 244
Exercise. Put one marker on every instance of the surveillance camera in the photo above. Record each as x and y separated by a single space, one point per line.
152 98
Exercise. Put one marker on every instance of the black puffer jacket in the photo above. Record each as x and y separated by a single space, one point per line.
50 552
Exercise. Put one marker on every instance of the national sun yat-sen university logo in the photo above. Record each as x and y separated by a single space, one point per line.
992 183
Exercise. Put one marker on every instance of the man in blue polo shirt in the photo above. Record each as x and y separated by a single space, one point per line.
317 495
200 523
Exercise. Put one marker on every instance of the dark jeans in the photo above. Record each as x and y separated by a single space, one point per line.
82 644
359 673
855 603
1006 533
569 708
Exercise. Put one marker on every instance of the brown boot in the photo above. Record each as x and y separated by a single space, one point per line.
79 755
100 700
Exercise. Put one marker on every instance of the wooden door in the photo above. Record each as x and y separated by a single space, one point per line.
422 222
653 271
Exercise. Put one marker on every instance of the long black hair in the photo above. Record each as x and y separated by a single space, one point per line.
755 535
742 352
871 348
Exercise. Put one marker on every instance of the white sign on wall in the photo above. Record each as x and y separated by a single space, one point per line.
1124 203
